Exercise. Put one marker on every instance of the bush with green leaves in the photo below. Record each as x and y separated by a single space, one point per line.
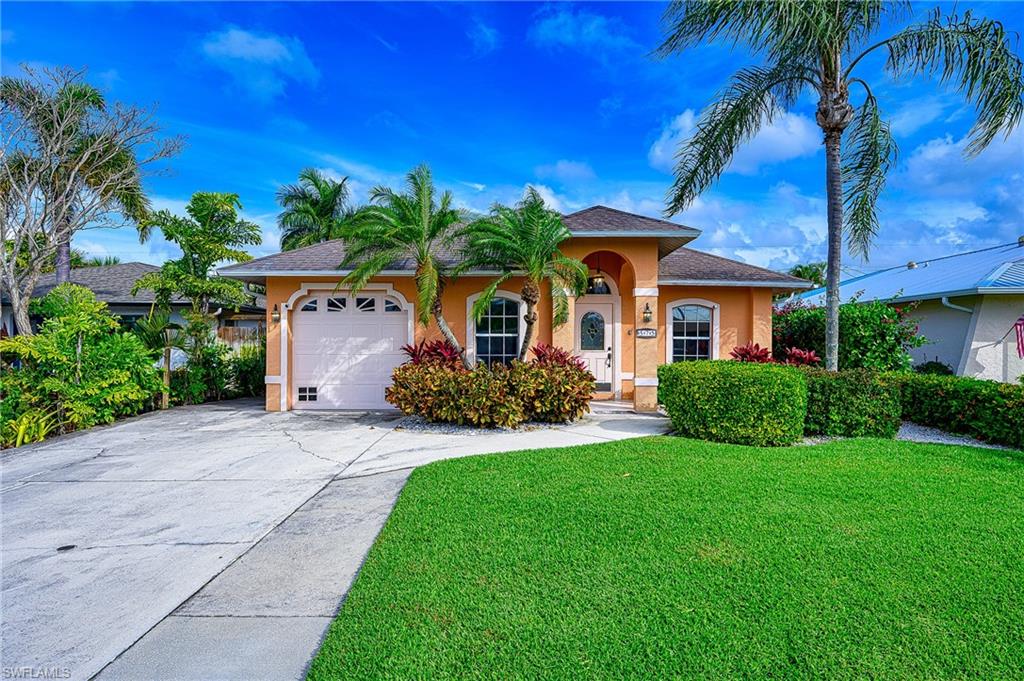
79 366
248 369
851 403
987 410
737 402
553 388
206 374
872 335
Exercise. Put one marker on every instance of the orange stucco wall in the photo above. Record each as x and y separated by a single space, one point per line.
744 313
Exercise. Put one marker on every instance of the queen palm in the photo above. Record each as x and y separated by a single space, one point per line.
816 46
412 225
89 163
524 241
315 209
158 333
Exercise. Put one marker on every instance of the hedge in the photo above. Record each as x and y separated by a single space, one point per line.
851 403
741 403
987 410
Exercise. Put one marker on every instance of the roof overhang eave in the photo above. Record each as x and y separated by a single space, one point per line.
738 283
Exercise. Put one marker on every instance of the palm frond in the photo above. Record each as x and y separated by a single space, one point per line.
975 56
869 155
753 99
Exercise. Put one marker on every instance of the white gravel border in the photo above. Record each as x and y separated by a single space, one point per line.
913 432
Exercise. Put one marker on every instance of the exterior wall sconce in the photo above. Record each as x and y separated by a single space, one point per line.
275 314
648 315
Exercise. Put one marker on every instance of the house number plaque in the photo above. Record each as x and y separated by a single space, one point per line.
646 333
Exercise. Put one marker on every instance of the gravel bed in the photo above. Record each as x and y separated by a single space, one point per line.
913 432
419 424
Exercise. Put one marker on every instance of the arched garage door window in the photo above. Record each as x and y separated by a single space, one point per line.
692 332
497 333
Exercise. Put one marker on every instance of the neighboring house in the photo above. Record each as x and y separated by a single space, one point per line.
112 285
651 300
966 306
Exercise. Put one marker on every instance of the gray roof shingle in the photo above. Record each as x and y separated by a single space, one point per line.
685 265
612 220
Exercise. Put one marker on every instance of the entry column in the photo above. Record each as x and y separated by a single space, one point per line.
645 348
564 336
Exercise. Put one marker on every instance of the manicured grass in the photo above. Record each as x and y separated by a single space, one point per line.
666 557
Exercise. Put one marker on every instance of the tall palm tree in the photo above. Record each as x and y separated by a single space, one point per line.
415 225
88 163
523 241
816 46
813 272
315 209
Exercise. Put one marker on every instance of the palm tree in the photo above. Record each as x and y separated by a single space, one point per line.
414 225
158 333
813 272
816 45
89 162
523 241
315 209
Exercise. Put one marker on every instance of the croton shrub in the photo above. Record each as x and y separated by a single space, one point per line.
555 387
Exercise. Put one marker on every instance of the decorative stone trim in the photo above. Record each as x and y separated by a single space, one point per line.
645 382
645 292
272 380
627 375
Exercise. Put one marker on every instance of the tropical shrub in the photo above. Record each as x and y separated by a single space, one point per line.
248 368
555 388
987 410
934 367
738 402
801 357
872 335
751 352
206 374
851 403
80 367
31 426
434 351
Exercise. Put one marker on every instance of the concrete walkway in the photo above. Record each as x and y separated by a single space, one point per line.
211 542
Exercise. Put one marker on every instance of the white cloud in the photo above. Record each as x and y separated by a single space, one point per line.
484 39
592 34
915 114
551 198
475 186
788 137
260 63
566 171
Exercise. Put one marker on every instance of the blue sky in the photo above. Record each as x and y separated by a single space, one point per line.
495 97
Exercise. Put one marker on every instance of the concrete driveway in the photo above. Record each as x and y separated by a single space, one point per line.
210 542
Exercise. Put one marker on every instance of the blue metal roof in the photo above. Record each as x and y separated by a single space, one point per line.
998 270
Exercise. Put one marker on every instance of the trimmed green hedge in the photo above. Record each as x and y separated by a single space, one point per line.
987 410
851 403
737 402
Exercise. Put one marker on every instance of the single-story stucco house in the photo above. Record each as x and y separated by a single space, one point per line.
113 284
651 300
967 305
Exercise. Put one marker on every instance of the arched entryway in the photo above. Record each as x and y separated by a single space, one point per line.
597 321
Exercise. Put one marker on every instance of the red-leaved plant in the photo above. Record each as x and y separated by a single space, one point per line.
751 352
549 355
439 351
801 357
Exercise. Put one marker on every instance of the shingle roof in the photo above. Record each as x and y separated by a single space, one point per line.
998 270
594 221
687 266
110 283
603 219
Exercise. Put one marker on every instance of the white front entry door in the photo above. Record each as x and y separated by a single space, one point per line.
344 349
595 341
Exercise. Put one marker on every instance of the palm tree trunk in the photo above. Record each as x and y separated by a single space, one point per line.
531 296
63 262
165 398
447 332
834 190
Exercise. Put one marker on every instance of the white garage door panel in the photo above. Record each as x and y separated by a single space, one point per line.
346 355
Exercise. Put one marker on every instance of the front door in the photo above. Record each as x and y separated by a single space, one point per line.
595 341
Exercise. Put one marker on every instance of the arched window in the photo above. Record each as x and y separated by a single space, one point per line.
497 333
692 332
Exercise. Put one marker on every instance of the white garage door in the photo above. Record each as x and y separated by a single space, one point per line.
344 349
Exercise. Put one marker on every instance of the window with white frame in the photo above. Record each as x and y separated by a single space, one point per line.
497 333
691 332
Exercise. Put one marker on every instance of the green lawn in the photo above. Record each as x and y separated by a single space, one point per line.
667 557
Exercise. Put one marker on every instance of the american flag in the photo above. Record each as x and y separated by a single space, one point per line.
1018 326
